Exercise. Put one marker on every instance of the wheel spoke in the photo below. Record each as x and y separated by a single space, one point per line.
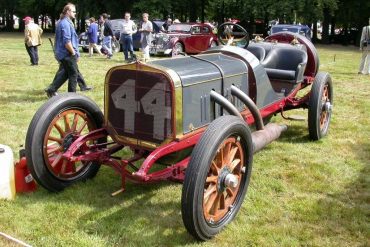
214 168
64 166
56 139
211 189
53 150
210 202
231 155
229 192
211 179
215 205
234 164
82 127
66 123
56 160
61 132
75 121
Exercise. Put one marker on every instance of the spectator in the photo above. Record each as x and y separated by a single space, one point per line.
128 28
32 39
108 35
66 51
146 35
365 48
92 33
167 24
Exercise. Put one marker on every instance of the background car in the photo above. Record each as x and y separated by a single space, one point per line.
300 29
184 37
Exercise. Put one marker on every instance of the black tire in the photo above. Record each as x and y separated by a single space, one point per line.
199 169
320 106
178 48
85 49
116 46
38 160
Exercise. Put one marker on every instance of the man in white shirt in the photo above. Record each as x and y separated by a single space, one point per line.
146 36
128 28
365 48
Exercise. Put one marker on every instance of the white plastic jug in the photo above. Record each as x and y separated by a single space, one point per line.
7 181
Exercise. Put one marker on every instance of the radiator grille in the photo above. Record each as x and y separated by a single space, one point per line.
140 105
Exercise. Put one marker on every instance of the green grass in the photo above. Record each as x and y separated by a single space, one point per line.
301 192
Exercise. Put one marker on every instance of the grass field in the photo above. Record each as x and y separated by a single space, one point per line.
301 192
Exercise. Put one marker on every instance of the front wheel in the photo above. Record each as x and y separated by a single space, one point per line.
217 177
320 106
178 48
55 126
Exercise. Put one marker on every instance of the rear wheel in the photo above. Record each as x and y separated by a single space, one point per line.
217 177
320 106
55 126
116 46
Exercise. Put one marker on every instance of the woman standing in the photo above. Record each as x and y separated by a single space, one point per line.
92 33
146 36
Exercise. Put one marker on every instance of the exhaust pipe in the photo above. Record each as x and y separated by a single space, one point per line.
271 132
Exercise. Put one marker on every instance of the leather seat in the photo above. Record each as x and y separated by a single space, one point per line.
286 64
258 51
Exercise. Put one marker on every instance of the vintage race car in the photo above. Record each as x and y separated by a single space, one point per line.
193 119
190 38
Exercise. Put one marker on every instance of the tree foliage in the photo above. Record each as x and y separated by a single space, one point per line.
341 13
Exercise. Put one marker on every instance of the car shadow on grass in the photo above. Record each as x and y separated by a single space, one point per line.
296 133
148 214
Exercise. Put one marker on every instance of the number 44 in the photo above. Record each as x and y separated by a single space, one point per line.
153 103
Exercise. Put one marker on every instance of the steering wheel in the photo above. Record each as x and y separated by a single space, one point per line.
229 33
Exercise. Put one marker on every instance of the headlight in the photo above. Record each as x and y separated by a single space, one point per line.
166 38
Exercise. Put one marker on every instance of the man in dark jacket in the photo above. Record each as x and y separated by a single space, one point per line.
108 35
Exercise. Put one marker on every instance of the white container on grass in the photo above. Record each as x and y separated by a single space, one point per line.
7 181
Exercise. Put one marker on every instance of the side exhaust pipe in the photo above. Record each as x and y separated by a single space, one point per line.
262 138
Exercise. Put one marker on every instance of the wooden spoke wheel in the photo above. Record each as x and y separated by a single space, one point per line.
223 180
64 129
320 106
53 129
217 177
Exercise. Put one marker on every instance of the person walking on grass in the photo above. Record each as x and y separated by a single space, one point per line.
32 39
127 29
365 48
146 36
92 33
66 52
108 35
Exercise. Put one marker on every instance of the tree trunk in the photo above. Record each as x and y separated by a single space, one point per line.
325 27
192 9
332 28
314 31
203 2
9 21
